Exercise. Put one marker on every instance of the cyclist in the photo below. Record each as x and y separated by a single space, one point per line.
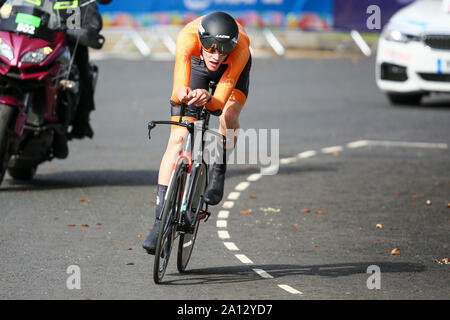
215 48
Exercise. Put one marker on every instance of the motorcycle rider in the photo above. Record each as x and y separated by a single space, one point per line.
91 22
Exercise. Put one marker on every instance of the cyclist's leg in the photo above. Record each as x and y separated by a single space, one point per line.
173 149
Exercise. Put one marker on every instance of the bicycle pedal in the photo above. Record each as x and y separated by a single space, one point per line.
204 215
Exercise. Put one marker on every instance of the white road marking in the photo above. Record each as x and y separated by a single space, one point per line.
306 154
231 246
270 170
234 195
221 223
263 274
332 149
289 289
406 144
228 204
254 177
358 144
288 160
223 214
223 234
243 258
242 186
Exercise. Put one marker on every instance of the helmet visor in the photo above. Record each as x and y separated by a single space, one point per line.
210 44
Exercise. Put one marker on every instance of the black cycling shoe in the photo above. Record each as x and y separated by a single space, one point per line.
150 242
81 129
214 191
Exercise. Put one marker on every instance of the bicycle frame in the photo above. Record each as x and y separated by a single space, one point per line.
190 151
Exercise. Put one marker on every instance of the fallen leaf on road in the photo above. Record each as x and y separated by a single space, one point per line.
448 205
71 225
294 228
85 225
98 224
428 203
140 236
129 263
379 226
84 200
246 211
320 212
442 261
395 251
252 197
305 211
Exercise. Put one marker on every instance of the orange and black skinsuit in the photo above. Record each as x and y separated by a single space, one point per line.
232 77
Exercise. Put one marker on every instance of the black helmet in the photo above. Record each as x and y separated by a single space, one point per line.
218 30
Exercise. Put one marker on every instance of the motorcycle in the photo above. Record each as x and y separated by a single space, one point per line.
39 83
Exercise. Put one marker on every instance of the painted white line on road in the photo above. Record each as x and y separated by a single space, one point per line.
289 289
358 144
270 170
425 145
231 246
223 234
242 186
234 195
263 274
288 160
243 258
254 177
306 154
223 214
221 223
228 204
331 149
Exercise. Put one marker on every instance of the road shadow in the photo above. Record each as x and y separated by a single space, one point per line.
44 181
434 102
83 179
231 274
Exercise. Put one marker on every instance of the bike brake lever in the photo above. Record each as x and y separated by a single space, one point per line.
151 125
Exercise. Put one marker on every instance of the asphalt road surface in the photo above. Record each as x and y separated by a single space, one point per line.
359 208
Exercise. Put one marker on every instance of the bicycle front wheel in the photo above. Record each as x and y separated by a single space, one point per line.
187 240
167 229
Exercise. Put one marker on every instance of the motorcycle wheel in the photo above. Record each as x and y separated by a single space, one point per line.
6 116
22 173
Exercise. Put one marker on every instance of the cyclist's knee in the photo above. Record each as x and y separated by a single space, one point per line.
229 119
175 141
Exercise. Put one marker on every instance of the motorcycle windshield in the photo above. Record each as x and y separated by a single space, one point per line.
36 18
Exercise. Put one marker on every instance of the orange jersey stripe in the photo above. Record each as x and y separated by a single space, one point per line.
188 44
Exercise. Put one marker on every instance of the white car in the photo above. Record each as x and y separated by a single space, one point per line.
413 55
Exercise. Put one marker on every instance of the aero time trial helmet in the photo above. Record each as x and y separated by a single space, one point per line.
218 31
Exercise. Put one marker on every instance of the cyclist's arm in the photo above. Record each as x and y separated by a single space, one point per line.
186 47
236 63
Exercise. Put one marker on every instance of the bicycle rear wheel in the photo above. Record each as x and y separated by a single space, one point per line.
187 240
167 229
